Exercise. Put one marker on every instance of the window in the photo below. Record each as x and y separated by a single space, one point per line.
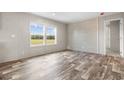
37 34
42 35
50 35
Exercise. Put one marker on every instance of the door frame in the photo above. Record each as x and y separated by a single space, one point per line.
121 34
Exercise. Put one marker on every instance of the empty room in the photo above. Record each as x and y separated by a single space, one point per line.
61 46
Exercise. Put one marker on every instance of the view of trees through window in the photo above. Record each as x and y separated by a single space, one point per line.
50 35
42 35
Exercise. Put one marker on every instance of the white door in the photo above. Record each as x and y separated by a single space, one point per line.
107 28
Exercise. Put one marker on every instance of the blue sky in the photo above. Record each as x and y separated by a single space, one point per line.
50 31
38 29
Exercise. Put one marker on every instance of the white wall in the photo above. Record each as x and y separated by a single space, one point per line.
19 47
82 36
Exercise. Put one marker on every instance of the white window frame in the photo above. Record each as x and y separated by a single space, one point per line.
44 34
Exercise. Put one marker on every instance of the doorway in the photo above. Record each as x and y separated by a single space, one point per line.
113 37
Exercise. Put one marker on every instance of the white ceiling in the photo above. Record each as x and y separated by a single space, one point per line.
69 17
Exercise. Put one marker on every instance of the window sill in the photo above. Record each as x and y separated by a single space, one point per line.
36 45
50 44
42 45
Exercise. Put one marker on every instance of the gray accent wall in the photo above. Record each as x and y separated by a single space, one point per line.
82 36
15 36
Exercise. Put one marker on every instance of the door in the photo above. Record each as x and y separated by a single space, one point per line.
107 29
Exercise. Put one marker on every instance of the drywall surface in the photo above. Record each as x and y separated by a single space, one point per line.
82 36
15 36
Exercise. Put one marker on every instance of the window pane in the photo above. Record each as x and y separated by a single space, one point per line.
36 34
50 35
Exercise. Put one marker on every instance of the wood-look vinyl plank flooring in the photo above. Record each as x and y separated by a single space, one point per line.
65 65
